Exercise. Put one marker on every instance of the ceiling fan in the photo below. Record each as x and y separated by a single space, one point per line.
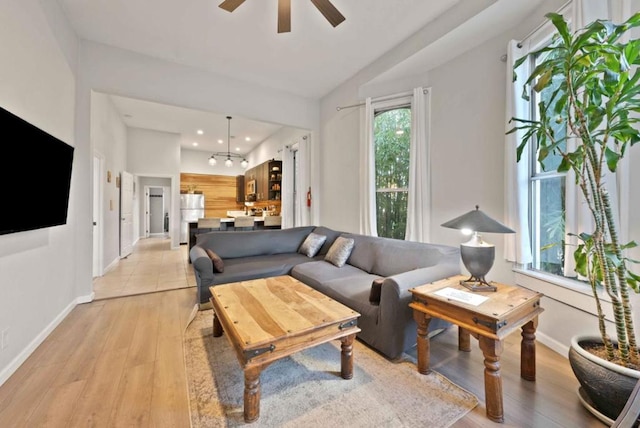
325 7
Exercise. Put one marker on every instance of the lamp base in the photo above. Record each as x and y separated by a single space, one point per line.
477 284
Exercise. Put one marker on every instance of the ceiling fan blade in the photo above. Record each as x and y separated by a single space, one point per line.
284 16
230 5
329 11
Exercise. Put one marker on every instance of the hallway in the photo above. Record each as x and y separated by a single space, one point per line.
152 266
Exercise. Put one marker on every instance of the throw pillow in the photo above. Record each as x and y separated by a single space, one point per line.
218 264
376 291
340 251
312 244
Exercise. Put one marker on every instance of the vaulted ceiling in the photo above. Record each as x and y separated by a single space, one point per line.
310 61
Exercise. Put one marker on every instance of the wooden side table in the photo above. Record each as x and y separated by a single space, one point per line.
487 316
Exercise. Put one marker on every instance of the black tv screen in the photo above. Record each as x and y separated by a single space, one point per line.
35 176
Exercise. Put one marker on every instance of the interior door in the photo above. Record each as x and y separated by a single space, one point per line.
126 214
97 215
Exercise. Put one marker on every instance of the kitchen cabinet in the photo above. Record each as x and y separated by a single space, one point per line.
240 189
265 181
274 180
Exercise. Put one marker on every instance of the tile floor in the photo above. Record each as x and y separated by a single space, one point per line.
152 266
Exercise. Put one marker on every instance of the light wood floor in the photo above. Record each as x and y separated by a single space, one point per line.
152 266
119 363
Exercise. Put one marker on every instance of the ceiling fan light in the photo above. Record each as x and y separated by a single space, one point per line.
244 163
212 161
228 163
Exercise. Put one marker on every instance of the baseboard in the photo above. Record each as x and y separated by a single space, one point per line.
553 344
11 368
85 299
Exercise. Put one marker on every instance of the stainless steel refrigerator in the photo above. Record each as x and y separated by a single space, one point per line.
191 209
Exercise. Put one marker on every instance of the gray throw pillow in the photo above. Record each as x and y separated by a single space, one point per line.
340 251
312 244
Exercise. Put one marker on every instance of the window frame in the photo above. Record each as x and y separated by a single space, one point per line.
565 290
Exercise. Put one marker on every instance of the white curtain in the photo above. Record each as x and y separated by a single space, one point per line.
368 225
419 198
517 245
288 172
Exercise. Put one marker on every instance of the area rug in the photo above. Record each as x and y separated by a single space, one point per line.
306 389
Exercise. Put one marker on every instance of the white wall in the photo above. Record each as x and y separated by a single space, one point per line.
271 147
109 139
38 268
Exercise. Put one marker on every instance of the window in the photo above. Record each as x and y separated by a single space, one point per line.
547 193
392 139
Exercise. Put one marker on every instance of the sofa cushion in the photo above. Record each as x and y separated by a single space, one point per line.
258 267
352 292
395 256
318 272
312 244
340 251
364 251
218 263
235 244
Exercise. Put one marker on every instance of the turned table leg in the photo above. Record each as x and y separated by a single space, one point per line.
464 340
491 349
528 350
252 394
422 341
346 357
217 327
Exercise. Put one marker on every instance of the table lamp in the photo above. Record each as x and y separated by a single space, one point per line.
477 255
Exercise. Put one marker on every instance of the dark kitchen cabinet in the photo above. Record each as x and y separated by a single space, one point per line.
240 188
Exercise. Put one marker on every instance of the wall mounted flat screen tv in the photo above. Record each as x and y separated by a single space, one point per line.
35 176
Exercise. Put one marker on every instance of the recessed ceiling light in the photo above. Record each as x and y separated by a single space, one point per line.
247 139
200 131
220 141
237 149
195 143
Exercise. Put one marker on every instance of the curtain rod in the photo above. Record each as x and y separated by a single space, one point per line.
391 97
542 24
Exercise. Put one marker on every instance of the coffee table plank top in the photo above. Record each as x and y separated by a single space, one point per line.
257 312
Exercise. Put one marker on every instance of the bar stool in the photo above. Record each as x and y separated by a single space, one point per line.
243 223
212 223
273 222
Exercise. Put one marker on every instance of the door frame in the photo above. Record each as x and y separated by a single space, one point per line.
147 210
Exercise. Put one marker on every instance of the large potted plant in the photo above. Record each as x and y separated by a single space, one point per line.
592 88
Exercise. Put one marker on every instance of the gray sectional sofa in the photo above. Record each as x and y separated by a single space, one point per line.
386 326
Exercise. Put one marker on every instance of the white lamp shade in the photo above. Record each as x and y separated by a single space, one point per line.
228 162
212 161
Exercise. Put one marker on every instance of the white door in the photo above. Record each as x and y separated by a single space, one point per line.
97 215
147 212
126 214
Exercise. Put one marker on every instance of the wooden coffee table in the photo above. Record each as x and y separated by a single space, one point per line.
500 313
271 318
